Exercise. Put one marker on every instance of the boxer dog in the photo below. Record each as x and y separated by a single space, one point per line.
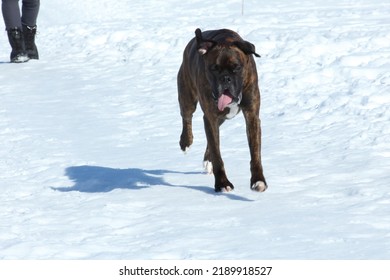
219 72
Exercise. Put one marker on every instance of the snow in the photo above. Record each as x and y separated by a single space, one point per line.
91 168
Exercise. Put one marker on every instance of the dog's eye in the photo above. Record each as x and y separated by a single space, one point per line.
214 68
237 69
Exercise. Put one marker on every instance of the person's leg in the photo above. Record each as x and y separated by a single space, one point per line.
13 25
30 10
11 14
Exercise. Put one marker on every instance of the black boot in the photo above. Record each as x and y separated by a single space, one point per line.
29 39
16 40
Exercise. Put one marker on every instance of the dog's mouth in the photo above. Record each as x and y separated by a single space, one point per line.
225 98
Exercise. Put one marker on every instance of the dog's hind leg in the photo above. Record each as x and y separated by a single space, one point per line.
187 101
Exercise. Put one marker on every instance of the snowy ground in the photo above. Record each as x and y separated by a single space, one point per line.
90 165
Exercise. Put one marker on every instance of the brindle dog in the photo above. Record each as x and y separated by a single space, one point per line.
219 72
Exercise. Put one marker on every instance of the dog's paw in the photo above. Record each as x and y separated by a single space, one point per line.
208 167
227 189
186 140
259 186
185 150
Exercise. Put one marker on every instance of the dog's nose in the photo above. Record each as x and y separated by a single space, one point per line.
226 79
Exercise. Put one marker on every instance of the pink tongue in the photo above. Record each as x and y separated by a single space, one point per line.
223 101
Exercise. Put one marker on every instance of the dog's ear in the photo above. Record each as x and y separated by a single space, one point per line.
246 47
203 45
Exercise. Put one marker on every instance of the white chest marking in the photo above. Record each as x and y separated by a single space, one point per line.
234 109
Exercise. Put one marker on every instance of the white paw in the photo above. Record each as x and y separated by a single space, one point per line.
226 189
186 150
259 186
208 167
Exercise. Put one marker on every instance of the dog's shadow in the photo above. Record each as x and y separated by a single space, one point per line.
96 179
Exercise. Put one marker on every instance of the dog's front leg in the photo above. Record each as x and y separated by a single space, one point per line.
253 131
211 125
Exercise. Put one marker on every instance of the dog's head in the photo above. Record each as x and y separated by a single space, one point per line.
225 67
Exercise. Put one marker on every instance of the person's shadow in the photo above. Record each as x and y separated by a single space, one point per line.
96 179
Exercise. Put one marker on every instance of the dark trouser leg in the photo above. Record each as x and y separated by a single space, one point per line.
11 14
30 10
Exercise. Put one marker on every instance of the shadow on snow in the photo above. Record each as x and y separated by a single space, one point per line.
96 179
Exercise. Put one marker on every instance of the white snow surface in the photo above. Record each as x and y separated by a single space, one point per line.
90 164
